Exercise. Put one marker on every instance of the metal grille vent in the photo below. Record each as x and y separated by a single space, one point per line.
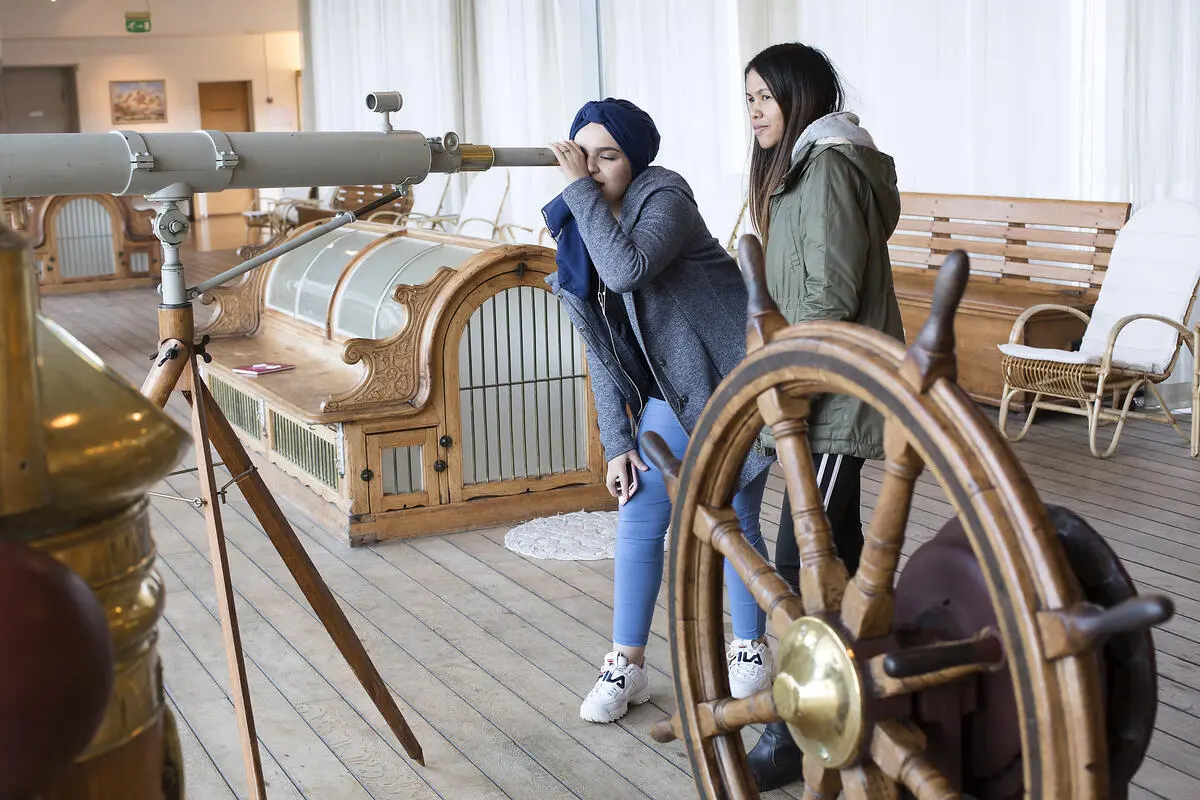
402 473
305 448
241 409
83 229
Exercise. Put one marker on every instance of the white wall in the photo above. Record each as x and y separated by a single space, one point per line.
189 43
183 62
42 19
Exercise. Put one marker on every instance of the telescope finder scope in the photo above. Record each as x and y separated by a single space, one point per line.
384 102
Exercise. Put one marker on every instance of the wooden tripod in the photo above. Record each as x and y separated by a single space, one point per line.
176 368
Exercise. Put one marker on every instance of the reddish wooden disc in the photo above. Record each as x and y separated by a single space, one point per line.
56 672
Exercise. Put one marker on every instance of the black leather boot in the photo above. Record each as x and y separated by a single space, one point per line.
776 760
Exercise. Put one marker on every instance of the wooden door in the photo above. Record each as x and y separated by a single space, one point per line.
225 106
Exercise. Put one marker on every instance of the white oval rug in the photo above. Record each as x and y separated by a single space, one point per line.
577 536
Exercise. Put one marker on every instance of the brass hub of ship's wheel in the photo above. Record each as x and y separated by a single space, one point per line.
819 694
857 689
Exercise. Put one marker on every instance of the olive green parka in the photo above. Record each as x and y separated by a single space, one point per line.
827 259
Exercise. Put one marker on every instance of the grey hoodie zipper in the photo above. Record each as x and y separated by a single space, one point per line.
601 297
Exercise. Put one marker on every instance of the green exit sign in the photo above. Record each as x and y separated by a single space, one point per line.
137 21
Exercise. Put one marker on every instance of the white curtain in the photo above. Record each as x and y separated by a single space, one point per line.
409 46
679 61
1080 99
966 96
495 72
1083 99
1139 114
530 75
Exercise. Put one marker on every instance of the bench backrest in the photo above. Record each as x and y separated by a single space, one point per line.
1010 239
349 198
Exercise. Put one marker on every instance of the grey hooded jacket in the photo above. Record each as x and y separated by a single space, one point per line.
683 297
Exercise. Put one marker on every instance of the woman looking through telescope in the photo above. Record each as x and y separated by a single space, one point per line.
661 308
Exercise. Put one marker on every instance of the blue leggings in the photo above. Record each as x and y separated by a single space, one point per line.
641 528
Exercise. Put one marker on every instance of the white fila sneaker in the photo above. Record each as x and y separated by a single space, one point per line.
750 667
620 685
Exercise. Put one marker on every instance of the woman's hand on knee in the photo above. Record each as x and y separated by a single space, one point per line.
622 480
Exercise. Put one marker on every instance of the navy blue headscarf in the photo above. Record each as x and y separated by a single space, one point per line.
635 133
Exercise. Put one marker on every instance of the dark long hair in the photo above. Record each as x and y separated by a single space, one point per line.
806 86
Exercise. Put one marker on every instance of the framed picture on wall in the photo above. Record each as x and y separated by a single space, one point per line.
138 101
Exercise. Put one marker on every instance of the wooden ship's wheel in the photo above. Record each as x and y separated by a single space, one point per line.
1011 659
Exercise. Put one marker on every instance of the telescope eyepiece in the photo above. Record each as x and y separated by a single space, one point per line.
384 102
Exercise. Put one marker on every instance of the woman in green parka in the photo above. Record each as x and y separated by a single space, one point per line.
824 200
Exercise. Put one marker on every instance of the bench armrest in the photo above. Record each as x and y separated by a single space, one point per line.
398 217
432 221
496 228
506 228
1019 324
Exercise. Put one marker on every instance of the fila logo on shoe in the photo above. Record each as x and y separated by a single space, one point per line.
749 659
619 680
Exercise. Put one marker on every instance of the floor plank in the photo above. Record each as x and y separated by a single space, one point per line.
489 652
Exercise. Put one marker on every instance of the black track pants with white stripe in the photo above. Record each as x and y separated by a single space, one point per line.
838 479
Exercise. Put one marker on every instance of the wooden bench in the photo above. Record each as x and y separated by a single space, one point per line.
1023 252
84 243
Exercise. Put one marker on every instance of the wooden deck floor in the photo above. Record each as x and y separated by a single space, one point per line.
490 652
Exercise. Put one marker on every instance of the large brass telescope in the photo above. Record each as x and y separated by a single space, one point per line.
79 447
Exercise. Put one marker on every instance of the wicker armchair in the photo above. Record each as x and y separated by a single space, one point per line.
742 226
481 210
274 214
1133 335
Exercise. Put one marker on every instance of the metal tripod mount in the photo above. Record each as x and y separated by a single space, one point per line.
171 227
176 368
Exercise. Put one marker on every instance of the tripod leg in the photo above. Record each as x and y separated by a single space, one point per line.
202 405
271 517
170 363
